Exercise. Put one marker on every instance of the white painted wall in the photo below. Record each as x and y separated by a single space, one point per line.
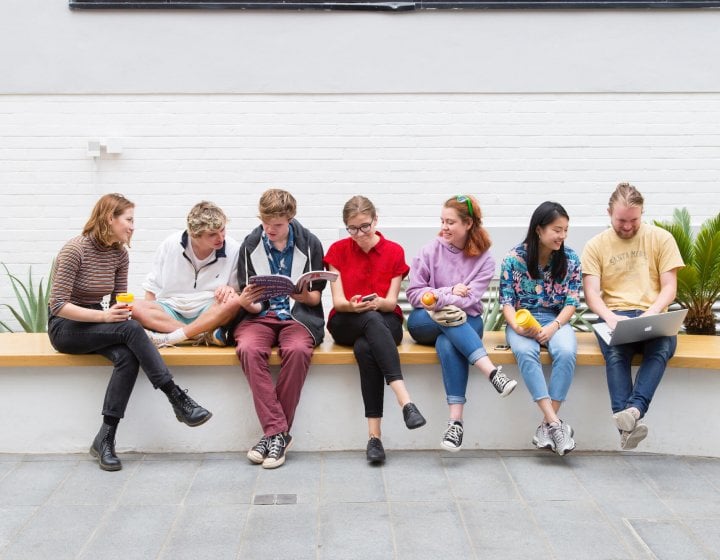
57 410
514 106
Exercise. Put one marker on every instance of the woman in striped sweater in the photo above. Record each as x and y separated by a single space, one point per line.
90 269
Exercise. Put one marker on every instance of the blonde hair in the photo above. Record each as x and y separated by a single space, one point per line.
205 216
98 225
627 195
358 205
277 203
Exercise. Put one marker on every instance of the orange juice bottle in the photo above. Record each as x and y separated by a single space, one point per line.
127 299
525 319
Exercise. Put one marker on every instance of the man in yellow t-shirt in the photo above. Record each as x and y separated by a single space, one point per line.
631 270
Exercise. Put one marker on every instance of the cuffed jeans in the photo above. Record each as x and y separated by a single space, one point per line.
374 337
618 360
457 347
125 344
563 349
275 404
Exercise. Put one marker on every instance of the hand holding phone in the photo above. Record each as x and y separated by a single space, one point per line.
369 297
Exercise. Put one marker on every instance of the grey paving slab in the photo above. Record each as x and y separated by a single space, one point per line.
5 468
348 477
87 485
160 483
707 532
416 476
429 530
542 476
229 481
695 507
12 519
56 532
673 478
31 483
707 468
669 540
131 532
611 478
292 530
11 457
354 531
300 475
577 530
484 479
208 532
506 530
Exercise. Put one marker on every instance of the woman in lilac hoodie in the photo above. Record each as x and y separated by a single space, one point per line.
456 267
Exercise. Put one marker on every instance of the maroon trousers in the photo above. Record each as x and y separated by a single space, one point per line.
275 403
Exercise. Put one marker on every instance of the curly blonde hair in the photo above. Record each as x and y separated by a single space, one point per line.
205 216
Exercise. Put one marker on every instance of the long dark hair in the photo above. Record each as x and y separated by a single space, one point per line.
545 214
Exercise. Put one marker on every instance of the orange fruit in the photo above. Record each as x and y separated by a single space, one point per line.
428 298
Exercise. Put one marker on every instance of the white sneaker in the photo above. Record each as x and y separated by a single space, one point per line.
160 340
542 439
630 440
625 420
561 434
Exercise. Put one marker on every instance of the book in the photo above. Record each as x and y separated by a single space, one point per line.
279 285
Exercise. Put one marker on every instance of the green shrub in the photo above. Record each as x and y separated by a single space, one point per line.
32 302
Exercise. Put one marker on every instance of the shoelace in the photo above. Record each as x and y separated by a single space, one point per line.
559 430
500 380
186 402
275 446
453 433
262 445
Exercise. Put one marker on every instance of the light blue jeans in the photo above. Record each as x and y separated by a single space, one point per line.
563 349
457 347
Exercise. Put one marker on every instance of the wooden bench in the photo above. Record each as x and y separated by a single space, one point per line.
34 350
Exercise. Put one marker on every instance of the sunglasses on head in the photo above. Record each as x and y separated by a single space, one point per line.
466 199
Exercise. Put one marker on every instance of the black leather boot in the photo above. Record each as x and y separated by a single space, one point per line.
186 409
103 447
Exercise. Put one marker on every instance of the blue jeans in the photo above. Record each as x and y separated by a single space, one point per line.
618 359
125 344
456 347
563 349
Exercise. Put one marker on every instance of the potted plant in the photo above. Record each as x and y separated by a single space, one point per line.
32 302
698 286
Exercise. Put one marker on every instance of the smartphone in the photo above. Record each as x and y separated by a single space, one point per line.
502 347
368 297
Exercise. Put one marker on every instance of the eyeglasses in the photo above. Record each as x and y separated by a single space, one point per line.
365 228
462 198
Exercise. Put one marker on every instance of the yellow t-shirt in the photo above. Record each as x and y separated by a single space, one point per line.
630 269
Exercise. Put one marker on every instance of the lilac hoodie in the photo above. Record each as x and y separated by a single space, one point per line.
439 266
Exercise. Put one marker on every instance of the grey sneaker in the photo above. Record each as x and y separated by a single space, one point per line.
502 383
630 440
561 434
258 453
453 436
542 439
277 451
625 420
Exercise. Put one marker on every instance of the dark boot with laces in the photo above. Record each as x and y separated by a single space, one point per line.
103 447
186 409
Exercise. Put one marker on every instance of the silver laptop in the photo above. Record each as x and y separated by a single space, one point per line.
642 328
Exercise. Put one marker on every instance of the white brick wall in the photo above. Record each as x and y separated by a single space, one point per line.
406 152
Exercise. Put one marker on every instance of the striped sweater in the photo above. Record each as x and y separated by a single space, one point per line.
85 271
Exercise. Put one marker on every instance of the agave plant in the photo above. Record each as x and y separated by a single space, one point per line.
32 302
698 285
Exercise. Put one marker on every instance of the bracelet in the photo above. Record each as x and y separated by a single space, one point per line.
558 323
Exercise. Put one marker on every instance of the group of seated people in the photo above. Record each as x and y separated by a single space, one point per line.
200 290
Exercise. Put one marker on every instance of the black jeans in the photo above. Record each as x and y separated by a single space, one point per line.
374 337
125 344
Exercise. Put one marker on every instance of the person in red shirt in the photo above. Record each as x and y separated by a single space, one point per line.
366 315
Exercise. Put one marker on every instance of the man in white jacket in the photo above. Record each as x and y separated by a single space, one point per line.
191 291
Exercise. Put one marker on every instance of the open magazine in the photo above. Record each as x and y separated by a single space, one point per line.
279 285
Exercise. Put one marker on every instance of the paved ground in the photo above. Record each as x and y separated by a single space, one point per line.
430 504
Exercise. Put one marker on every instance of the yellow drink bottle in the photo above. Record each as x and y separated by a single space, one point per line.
525 319
127 299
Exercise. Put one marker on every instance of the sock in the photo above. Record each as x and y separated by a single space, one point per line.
176 336
168 387
493 373
111 420
454 421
